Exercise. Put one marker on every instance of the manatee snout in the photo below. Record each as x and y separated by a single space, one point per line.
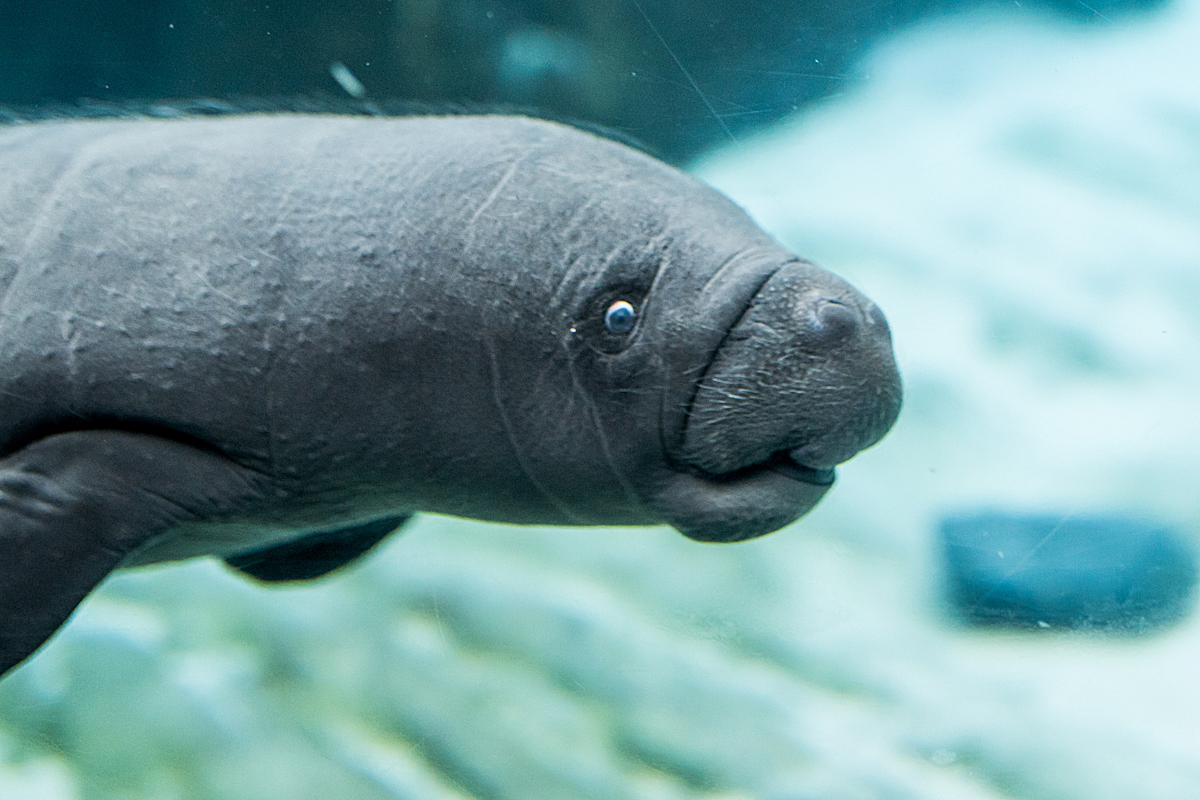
806 376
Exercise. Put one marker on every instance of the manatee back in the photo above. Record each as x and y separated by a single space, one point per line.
274 285
137 290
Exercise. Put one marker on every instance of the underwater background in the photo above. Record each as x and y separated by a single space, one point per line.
1016 185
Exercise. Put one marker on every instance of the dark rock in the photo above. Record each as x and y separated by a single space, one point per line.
1107 573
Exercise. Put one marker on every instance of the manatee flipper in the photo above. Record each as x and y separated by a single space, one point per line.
316 554
73 505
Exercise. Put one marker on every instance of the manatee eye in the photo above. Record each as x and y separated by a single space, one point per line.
620 317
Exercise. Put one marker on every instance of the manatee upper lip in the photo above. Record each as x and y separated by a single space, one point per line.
781 462
751 276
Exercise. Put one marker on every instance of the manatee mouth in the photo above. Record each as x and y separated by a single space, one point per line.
742 504
780 463
783 463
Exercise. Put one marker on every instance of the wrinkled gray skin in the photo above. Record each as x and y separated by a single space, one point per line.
274 338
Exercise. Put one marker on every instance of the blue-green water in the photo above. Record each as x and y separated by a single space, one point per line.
1023 200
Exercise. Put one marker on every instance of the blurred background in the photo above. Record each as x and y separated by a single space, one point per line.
996 602
678 75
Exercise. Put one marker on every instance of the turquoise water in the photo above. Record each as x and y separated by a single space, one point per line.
1023 200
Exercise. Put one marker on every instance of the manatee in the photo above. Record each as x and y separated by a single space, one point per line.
273 338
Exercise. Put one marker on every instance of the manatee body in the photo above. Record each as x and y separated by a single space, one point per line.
273 338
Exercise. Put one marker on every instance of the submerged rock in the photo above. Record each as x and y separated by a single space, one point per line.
1108 573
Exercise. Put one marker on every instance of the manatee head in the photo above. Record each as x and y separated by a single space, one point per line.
729 391
658 358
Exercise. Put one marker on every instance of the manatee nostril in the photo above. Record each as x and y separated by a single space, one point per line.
835 321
